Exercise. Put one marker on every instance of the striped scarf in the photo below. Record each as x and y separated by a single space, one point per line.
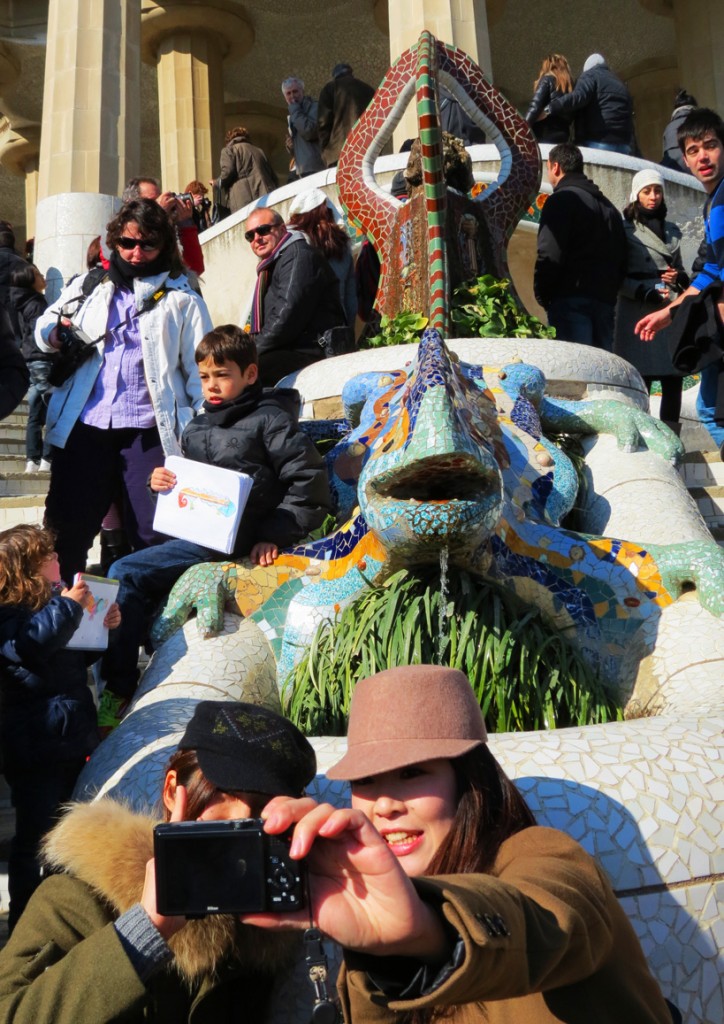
262 283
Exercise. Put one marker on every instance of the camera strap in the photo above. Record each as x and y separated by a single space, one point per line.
325 1010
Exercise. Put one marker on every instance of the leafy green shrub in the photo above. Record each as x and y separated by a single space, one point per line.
401 329
525 675
486 307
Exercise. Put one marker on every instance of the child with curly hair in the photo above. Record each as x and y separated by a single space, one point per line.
47 716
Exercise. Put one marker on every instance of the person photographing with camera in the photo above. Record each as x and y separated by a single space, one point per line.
124 408
91 947
449 901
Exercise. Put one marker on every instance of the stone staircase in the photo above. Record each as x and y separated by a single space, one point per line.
22 495
703 474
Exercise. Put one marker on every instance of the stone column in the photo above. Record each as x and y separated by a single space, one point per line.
19 151
699 32
188 43
462 23
90 138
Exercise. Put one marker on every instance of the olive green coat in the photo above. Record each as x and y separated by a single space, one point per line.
65 964
545 941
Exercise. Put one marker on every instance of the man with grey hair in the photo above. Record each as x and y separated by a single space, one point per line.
303 137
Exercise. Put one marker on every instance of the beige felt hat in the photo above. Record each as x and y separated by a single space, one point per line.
410 714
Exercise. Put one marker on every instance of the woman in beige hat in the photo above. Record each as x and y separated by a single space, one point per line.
511 923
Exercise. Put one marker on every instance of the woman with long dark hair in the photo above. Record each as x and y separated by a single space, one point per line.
311 213
124 409
655 276
554 79
449 901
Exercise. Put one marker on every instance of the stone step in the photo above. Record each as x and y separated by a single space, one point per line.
12 432
23 508
702 469
20 484
13 463
710 502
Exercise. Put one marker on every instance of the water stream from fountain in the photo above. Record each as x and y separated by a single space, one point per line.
442 633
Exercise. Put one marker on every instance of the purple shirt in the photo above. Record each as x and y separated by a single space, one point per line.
120 395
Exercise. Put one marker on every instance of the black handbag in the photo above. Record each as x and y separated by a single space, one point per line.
221 208
337 341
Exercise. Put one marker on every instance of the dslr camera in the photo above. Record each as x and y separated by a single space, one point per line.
75 348
224 867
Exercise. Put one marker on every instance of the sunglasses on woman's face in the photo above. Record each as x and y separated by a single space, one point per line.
262 231
143 244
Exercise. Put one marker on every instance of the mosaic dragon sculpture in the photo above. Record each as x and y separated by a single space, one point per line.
441 455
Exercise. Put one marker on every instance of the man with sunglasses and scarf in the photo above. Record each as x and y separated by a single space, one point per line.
296 297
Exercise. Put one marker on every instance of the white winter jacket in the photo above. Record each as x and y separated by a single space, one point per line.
170 332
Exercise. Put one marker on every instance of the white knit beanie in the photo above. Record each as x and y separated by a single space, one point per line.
593 61
646 177
307 201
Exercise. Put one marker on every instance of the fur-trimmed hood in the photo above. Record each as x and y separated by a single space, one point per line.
107 846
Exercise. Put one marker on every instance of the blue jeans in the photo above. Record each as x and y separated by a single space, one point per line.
38 396
146 577
585 320
711 398
609 147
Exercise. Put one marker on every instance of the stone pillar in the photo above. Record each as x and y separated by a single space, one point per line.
19 151
188 43
90 138
462 23
699 28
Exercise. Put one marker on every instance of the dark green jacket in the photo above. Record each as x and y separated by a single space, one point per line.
65 964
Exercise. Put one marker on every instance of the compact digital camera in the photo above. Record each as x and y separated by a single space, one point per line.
184 197
224 867
75 348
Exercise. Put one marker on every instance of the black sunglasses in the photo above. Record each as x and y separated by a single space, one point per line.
262 231
143 244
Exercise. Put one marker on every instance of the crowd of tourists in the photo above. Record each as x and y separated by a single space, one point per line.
447 898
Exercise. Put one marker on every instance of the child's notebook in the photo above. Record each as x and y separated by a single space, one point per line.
92 635
205 506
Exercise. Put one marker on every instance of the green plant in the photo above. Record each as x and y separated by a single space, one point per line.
400 329
525 675
487 307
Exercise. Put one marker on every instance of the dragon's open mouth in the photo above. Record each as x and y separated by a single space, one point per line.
437 480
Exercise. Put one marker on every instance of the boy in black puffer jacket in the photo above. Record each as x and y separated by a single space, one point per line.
243 427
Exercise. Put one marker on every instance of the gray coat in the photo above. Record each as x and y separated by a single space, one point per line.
245 173
647 257
302 121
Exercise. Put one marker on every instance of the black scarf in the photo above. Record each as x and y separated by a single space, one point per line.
653 220
123 273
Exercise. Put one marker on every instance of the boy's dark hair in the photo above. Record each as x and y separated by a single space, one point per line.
23 277
228 342
700 122
568 156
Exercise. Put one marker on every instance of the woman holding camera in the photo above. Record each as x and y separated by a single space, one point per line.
124 409
91 946
448 899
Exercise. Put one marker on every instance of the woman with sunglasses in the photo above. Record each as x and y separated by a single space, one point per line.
450 902
124 409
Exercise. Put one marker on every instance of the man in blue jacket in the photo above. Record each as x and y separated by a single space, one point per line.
701 140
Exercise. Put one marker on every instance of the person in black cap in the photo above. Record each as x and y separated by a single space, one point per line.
91 946
341 102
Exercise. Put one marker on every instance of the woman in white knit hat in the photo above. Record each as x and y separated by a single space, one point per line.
312 213
654 277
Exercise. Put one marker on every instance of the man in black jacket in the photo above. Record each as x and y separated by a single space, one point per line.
602 106
296 298
242 427
581 253
342 101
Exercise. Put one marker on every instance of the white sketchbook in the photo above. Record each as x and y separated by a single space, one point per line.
205 506
92 635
